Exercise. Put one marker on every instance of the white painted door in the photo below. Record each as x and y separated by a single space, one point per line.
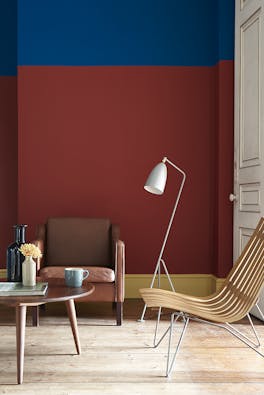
248 192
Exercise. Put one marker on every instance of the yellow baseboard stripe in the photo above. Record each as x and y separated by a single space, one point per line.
2 273
193 284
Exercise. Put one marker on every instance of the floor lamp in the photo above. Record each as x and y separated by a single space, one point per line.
156 183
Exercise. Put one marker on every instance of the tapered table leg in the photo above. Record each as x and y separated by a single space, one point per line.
72 317
21 312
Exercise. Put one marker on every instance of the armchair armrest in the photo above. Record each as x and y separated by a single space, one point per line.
120 270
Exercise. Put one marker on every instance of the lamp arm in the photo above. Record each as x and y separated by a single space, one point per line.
165 159
175 205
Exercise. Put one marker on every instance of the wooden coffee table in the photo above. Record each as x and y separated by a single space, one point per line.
55 293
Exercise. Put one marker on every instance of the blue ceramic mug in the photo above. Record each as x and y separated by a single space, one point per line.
74 276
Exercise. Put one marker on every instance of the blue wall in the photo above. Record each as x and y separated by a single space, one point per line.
125 32
8 37
226 27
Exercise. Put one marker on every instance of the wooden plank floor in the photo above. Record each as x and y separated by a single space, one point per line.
120 360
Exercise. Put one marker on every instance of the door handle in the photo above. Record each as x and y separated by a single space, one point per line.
232 197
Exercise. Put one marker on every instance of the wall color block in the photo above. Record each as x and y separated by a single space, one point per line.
105 90
8 162
90 135
8 37
118 32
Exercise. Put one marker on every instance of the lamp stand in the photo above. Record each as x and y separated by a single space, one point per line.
160 260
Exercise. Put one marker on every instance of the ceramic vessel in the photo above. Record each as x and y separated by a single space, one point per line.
14 258
29 272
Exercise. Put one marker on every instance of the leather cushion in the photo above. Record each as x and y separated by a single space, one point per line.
96 274
78 242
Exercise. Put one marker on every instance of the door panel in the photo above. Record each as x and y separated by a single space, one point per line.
249 117
249 98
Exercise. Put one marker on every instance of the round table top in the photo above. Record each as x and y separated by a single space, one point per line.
55 293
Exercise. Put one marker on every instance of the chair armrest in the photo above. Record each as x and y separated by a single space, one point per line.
40 241
120 270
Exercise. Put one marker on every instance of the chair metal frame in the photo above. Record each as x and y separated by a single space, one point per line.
186 318
238 295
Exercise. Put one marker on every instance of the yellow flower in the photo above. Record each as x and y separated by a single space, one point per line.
29 249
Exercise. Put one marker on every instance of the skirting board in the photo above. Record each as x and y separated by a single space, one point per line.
2 273
193 284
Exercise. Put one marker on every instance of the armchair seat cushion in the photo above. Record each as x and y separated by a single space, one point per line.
97 274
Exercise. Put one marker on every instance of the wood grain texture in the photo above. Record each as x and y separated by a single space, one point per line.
21 312
73 321
120 360
55 293
237 296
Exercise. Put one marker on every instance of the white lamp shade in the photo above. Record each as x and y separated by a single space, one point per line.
156 180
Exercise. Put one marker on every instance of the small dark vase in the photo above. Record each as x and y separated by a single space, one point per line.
14 258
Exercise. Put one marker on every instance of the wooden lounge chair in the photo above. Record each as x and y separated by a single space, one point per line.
239 293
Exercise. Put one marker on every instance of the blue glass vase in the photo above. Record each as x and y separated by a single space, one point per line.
14 258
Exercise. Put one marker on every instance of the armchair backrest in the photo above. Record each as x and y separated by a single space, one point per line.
80 241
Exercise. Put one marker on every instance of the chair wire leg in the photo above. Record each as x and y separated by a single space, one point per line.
260 312
171 363
233 332
156 329
243 335
231 329
254 330
252 326
242 338
157 343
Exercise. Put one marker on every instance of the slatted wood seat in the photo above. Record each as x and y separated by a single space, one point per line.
237 296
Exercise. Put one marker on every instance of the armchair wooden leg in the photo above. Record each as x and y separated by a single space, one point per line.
119 313
35 315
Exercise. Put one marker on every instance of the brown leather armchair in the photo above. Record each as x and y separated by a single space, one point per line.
90 243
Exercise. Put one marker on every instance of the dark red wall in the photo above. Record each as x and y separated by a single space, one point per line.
88 136
8 161
225 170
